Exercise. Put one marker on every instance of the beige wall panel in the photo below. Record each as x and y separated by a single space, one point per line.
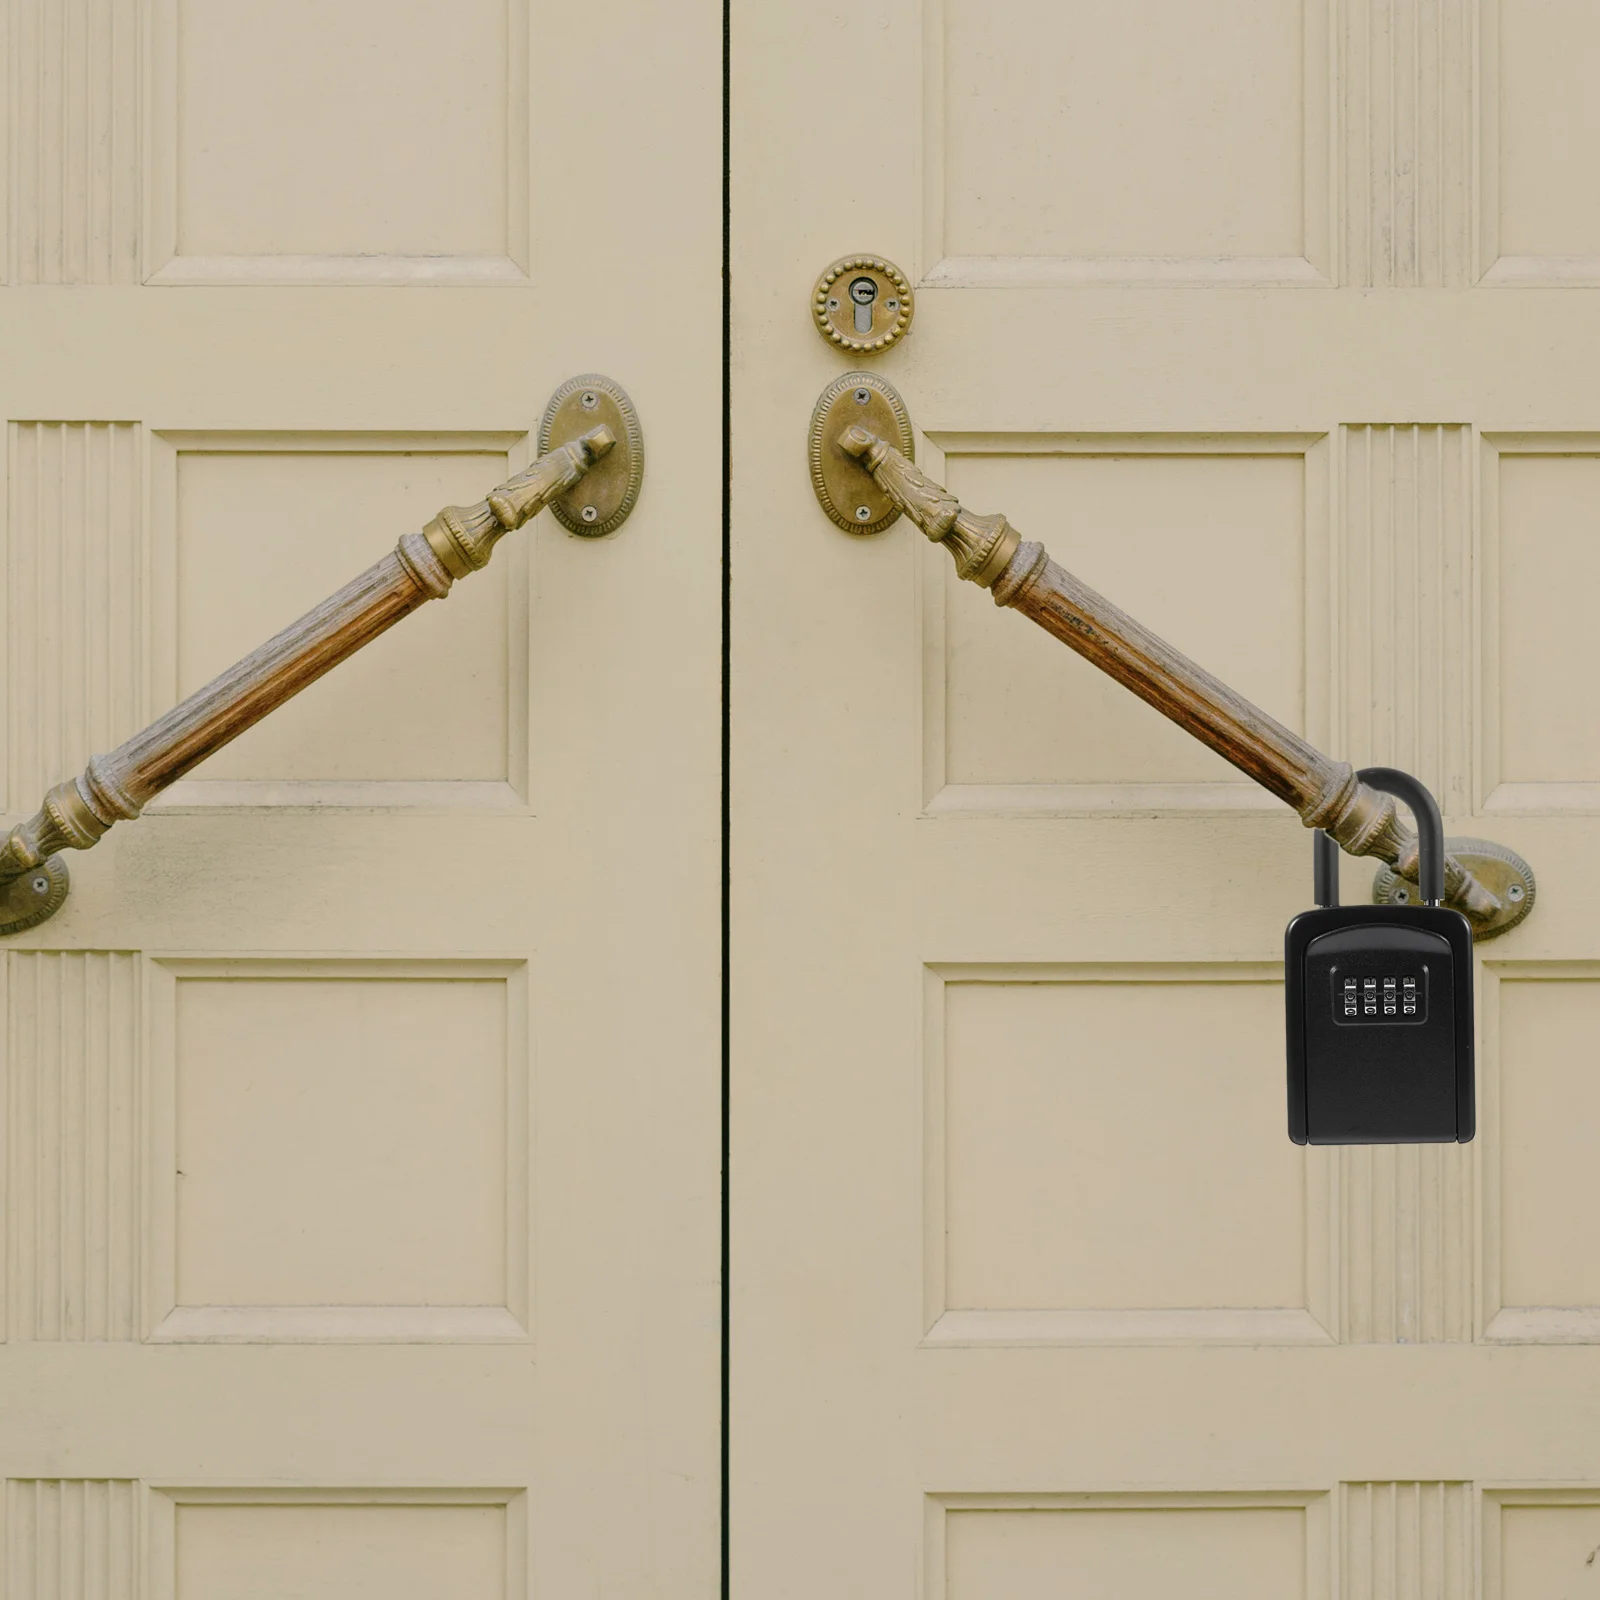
73 1539
75 152
72 1049
384 141
1543 206
345 1136
1025 726
74 598
1202 177
1409 1541
1033 1131
341 1551
1543 1237
1536 1550
1541 570
306 513
1209 1552
1407 84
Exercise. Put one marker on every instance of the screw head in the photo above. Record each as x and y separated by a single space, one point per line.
833 304
588 399
863 513
892 305
1402 897
41 886
1515 892
862 396
590 514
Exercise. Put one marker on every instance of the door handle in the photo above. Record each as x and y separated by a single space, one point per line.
1492 885
589 425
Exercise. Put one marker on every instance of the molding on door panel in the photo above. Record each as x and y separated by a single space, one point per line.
74 1033
1492 792
1313 267
163 1549
165 1320
72 214
1408 1540
1504 1323
76 597
1403 627
1407 76
1316 1505
1310 1323
164 263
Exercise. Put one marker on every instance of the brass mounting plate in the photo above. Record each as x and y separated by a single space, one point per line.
600 503
33 898
1500 870
845 489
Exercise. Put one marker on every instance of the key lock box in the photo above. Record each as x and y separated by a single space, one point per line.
1379 1003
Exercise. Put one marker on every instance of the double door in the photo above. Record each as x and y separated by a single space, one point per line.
365 1193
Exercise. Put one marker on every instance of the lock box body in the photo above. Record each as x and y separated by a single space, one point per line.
1380 1029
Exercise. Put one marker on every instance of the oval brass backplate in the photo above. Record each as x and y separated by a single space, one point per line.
845 489
862 303
601 502
1499 869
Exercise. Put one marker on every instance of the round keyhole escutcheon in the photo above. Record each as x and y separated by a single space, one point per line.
862 304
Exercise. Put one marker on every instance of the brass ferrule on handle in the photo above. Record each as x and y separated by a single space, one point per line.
422 567
1327 794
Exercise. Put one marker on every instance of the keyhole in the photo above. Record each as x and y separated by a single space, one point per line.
863 291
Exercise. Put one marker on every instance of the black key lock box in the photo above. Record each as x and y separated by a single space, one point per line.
1379 1002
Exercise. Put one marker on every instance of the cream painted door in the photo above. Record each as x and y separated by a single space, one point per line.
1276 321
362 1112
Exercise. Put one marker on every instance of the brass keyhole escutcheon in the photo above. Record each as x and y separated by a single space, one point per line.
863 304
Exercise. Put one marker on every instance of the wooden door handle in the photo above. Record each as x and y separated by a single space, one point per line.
1327 794
422 567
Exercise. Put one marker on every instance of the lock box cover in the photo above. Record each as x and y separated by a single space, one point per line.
1380 1025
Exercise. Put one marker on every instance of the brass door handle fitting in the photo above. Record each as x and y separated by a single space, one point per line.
1493 886
594 423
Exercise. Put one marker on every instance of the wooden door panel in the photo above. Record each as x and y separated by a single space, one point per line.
362 1101
1030 1291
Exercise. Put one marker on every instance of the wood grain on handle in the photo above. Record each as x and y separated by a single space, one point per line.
422 567
1326 793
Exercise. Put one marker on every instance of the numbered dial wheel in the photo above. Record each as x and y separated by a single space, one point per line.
862 304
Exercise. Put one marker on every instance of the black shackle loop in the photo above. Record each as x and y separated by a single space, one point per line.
1430 838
